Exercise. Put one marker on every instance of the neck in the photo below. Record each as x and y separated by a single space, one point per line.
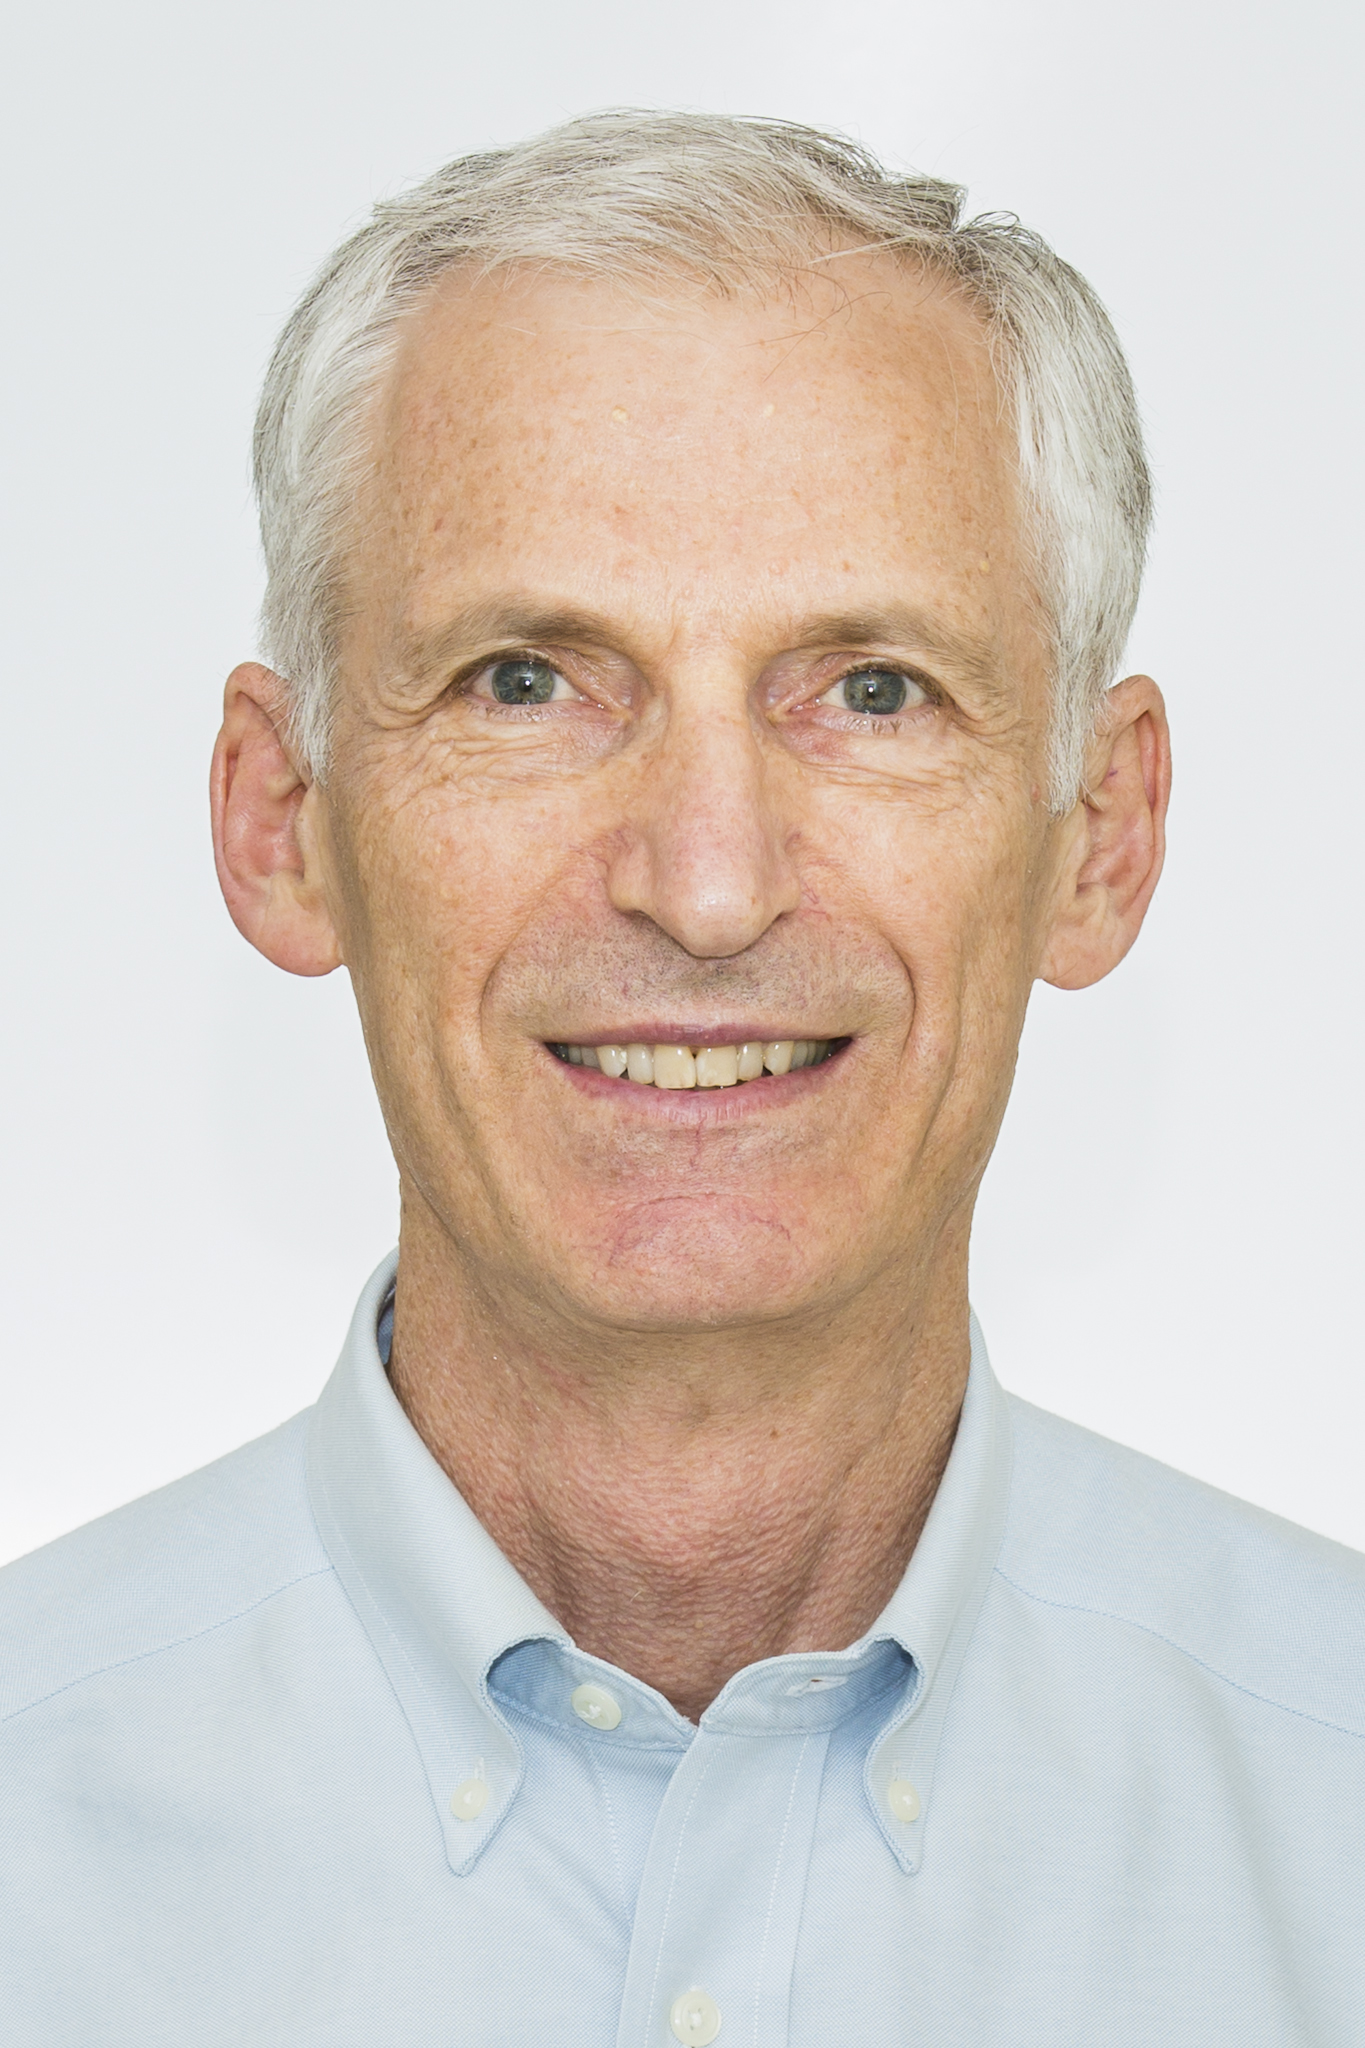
689 1504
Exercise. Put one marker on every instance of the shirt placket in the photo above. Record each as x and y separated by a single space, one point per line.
719 1907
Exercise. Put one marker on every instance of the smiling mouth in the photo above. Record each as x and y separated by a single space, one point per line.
700 1066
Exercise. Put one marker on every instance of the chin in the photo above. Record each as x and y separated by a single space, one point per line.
683 1264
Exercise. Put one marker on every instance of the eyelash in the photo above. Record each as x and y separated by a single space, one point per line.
463 685
882 722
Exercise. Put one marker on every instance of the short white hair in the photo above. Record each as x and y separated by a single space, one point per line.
736 204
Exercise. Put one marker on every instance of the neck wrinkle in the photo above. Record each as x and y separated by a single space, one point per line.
684 1510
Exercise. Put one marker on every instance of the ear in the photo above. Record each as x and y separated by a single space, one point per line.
265 830
1117 840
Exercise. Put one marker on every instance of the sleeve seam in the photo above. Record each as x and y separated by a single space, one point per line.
1127 1621
160 1649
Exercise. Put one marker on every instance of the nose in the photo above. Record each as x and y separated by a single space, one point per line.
706 851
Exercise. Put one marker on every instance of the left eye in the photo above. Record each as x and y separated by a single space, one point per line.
527 682
878 690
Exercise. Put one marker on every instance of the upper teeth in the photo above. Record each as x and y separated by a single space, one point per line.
699 1066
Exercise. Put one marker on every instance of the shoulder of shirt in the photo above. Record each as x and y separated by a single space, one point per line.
192 1557
1258 1603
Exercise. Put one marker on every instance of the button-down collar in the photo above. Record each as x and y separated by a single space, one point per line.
445 1610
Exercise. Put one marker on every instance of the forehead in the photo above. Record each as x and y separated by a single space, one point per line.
549 431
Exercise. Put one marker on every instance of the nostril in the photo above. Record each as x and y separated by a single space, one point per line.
713 874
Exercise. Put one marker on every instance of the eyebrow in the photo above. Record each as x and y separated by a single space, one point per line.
975 660
513 620
496 621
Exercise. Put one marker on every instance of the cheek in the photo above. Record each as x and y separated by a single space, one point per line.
932 864
993 972
444 882
947 887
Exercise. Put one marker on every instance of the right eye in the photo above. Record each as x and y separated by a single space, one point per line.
881 691
526 681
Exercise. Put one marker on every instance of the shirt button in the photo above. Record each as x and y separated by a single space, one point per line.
694 2018
903 1799
595 1705
468 1801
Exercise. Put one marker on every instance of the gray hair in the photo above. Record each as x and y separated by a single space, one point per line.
633 196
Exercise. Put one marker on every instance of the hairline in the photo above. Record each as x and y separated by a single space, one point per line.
368 423
628 197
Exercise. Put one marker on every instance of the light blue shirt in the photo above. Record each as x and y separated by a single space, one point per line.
291 1759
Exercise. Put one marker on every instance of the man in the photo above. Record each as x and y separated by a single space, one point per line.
698 569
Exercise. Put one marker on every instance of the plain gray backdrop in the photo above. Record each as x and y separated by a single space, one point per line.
195 1176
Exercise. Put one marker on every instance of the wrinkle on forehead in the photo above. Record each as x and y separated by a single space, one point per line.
534 422
556 331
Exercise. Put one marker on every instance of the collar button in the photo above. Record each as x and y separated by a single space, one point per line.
595 1705
468 1801
903 1799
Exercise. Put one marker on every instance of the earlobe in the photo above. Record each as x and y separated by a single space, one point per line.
266 854
1118 841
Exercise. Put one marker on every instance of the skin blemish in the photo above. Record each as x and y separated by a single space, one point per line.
620 415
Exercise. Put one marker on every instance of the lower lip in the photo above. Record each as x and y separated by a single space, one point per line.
699 1105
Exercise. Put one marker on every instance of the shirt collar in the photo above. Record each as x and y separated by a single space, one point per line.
441 1604
436 1596
934 1610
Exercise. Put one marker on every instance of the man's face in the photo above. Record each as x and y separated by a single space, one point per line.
752 577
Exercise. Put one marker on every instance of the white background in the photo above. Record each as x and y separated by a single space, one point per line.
195 1178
